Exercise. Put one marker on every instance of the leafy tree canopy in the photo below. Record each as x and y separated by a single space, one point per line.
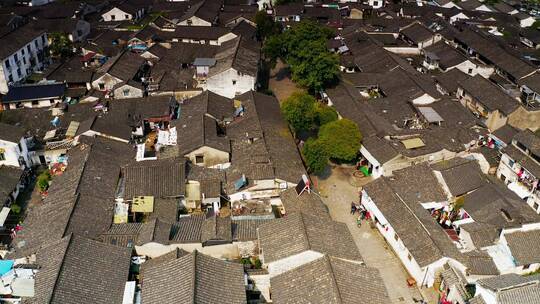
325 114
341 139
299 111
303 47
266 26
61 46
315 155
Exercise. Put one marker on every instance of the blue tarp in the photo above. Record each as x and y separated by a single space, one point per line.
241 182
5 266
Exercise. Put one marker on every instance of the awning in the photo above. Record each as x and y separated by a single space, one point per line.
129 293
519 189
430 114
72 129
413 143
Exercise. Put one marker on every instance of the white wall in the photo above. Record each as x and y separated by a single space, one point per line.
12 153
154 250
377 168
195 21
116 14
108 81
132 92
278 267
230 83
24 68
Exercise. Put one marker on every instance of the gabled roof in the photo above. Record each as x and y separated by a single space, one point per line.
330 280
505 61
216 228
194 278
236 54
124 67
75 269
489 95
399 199
448 56
308 203
81 200
297 233
15 40
417 33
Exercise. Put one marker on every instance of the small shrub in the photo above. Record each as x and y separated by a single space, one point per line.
43 180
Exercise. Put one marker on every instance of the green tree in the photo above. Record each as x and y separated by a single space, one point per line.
325 114
303 47
341 138
266 26
43 180
61 46
299 111
273 49
316 155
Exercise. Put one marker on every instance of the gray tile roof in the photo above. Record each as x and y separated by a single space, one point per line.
485 204
417 33
503 281
298 232
166 209
131 234
308 203
523 159
399 199
11 133
246 230
529 140
463 177
194 278
529 294
238 54
124 67
505 133
489 95
9 179
480 263
329 280
76 269
521 243
477 300
81 200
216 229
452 277
187 229
197 125
482 234
162 179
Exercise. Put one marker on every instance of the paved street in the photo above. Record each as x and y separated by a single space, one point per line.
337 192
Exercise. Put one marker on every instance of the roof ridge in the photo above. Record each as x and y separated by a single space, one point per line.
304 230
194 276
60 268
334 280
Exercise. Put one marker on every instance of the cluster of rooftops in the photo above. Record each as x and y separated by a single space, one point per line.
174 180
